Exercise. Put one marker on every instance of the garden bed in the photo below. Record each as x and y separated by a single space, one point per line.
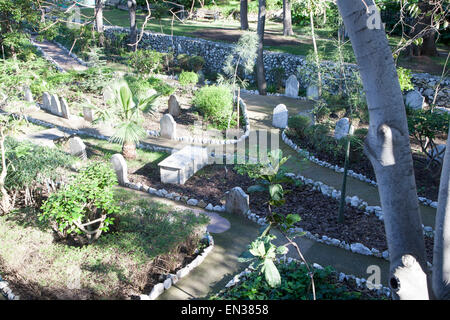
318 212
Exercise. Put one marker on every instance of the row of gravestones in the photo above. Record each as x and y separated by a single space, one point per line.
292 87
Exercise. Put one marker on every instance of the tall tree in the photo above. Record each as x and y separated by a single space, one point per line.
133 30
244 14
425 25
99 21
260 74
287 20
388 147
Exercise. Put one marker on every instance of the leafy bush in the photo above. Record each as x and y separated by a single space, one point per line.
161 87
191 63
404 77
146 61
215 104
188 78
85 206
295 285
299 124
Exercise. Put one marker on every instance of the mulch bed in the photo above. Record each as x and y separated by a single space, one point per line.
427 180
318 212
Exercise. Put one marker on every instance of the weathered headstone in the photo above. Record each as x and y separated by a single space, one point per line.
77 148
27 94
280 116
292 87
65 112
55 105
120 167
168 127
46 101
88 114
342 128
414 100
237 201
312 92
174 106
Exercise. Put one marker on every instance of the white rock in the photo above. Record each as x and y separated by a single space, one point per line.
360 248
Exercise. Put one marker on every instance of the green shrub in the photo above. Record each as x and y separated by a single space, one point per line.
146 61
88 198
191 63
404 77
188 78
295 285
215 104
299 124
161 87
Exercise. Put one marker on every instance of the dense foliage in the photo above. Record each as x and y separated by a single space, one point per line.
188 78
215 104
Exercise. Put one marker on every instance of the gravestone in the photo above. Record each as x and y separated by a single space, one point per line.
312 93
46 101
88 115
65 113
342 128
168 127
237 201
77 148
174 106
55 105
292 87
27 94
120 167
414 100
280 116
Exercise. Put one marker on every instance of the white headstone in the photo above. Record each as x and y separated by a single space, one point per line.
292 87
27 94
174 106
168 127
342 128
77 148
88 114
312 92
65 113
237 201
414 100
46 101
280 116
55 106
120 167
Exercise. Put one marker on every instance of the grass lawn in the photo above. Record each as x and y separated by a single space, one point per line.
147 239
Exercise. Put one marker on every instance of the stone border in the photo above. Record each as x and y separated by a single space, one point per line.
170 279
256 92
156 133
360 282
6 291
336 168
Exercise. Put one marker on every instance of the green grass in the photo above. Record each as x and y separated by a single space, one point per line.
115 266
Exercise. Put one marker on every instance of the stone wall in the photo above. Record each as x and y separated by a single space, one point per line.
276 64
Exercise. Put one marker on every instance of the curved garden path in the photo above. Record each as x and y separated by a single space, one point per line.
221 265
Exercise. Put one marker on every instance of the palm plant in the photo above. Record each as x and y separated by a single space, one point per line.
126 112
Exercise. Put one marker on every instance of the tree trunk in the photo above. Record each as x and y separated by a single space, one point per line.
244 14
260 74
129 150
99 21
287 20
423 22
441 252
133 31
5 205
388 147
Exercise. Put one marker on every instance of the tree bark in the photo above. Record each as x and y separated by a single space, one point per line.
133 31
129 150
99 21
423 22
244 14
287 20
441 252
388 147
260 74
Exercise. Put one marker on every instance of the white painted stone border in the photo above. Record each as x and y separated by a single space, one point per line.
170 279
256 92
360 282
336 168
6 291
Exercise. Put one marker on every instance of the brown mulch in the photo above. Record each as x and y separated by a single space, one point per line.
427 179
318 212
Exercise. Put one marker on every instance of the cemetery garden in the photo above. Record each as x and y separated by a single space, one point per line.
169 161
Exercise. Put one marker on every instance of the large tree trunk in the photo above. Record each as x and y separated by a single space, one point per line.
99 21
287 20
441 252
260 74
133 31
244 14
388 147
424 22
